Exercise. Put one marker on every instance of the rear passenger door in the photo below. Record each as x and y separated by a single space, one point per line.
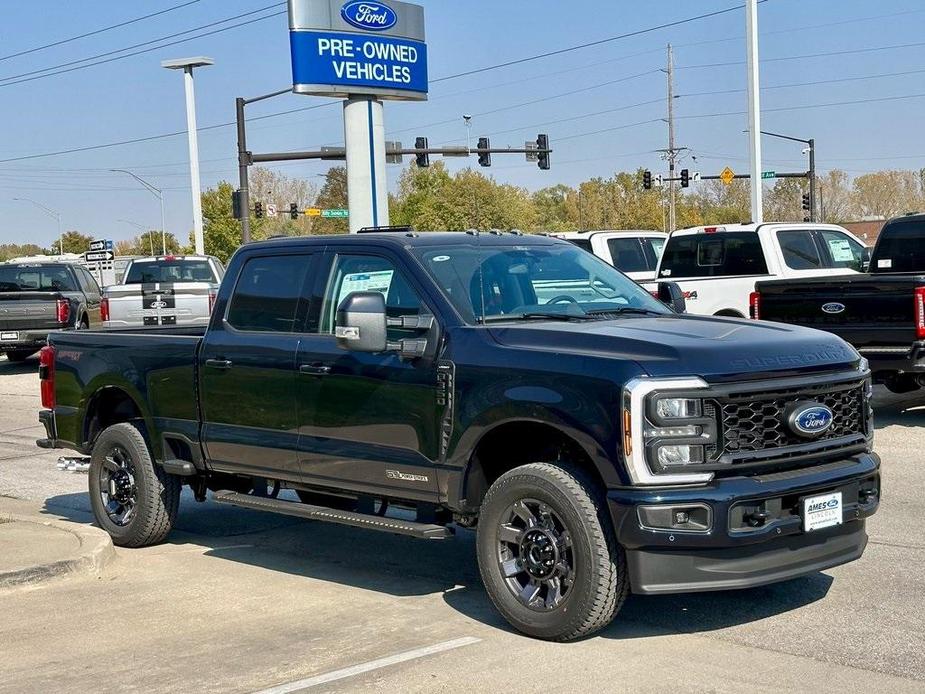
91 291
247 368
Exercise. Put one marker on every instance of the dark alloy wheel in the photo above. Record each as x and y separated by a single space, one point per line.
133 499
535 555
117 490
547 552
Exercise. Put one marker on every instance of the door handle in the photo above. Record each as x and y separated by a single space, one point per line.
218 364
315 369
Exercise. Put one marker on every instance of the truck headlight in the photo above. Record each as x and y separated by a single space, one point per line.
665 432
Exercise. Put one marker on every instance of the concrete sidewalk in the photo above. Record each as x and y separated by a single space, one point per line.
36 545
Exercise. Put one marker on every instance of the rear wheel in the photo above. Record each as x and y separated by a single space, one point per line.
133 500
19 355
547 552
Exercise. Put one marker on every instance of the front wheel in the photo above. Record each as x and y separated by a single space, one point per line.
133 500
547 552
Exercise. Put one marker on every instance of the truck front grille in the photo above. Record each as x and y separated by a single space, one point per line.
752 425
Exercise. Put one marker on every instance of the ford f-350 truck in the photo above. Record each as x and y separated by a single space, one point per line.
598 441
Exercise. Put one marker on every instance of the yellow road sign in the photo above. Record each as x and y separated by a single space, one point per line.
727 175
313 211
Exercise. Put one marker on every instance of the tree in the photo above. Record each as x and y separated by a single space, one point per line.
148 243
885 194
13 250
834 193
73 242
271 187
333 195
221 231
783 202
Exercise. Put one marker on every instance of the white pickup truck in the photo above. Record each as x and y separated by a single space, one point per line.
635 253
717 266
163 291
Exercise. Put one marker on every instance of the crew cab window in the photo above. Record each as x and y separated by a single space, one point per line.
799 249
36 278
583 244
713 255
87 283
369 273
628 255
267 294
843 250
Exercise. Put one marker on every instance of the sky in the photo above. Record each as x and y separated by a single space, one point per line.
841 72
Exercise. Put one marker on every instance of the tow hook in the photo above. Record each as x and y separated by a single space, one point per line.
757 518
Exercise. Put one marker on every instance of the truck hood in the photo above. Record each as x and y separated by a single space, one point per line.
718 349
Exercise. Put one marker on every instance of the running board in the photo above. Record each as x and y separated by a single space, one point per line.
424 531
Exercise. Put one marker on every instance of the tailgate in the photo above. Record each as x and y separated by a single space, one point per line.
164 303
864 310
28 311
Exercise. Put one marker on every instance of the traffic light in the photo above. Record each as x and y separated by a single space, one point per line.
258 210
542 145
484 157
647 180
293 211
236 204
423 158
806 205
685 178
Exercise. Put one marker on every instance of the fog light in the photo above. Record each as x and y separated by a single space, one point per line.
695 518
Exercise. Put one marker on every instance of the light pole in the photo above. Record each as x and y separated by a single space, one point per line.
187 65
160 196
51 212
141 228
754 108
811 151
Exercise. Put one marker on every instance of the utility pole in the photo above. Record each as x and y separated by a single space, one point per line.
754 108
672 152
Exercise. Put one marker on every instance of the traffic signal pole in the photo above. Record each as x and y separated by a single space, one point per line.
243 164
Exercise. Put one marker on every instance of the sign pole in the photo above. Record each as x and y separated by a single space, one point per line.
364 137
195 183
754 108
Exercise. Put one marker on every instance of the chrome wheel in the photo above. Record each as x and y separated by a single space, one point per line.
535 555
117 489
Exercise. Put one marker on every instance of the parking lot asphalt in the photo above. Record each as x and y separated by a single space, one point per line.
243 601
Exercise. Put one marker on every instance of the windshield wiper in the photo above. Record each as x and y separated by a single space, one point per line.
628 309
535 315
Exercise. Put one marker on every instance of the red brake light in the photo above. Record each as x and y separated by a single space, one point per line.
104 309
64 310
754 305
47 376
709 230
920 313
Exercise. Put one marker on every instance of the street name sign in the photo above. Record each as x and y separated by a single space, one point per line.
335 213
769 174
357 47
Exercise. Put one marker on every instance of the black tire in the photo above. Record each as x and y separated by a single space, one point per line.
19 356
156 494
599 583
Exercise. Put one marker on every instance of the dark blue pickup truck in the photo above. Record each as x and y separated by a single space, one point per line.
599 441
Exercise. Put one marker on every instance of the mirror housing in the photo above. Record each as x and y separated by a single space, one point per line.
360 324
670 293
866 254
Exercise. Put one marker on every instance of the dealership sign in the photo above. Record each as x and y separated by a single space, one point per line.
358 47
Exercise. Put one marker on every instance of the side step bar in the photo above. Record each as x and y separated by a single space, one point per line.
424 531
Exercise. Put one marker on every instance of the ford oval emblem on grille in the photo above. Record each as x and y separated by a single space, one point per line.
809 419
833 307
370 16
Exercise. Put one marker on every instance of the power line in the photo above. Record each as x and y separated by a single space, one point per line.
54 69
807 55
590 44
810 84
98 31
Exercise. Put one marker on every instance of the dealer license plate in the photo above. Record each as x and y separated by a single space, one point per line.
9 337
822 511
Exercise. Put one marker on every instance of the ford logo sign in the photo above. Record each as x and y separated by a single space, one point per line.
809 419
833 307
369 16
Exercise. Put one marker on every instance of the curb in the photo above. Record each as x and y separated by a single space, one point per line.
96 551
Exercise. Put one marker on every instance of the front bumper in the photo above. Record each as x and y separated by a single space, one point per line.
736 554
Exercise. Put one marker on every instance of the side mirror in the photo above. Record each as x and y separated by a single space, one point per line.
360 324
866 254
670 293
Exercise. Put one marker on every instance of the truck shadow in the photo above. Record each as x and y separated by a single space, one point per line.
405 567
901 410
31 365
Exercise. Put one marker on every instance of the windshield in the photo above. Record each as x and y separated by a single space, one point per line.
713 255
33 278
509 282
148 272
900 248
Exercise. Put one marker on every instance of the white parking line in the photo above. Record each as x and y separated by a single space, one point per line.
370 666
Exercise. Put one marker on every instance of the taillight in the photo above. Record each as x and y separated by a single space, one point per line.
212 297
920 313
754 305
104 310
64 310
47 376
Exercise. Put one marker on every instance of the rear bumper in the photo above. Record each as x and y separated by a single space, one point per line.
884 360
26 340
734 554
